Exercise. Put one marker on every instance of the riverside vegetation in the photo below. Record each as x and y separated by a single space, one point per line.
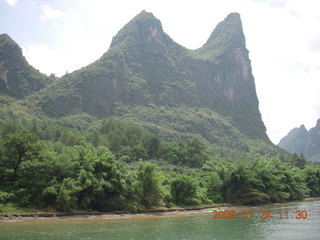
120 166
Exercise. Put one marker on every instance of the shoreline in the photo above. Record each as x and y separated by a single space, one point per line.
43 216
76 216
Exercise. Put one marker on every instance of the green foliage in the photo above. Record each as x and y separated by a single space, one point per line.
5 197
18 147
313 179
67 198
149 185
262 181
299 161
214 187
45 165
14 208
184 190
255 197
220 133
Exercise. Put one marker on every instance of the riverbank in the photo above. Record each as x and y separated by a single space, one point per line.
45 216
40 216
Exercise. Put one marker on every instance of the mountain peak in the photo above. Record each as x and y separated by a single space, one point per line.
143 27
299 140
17 77
5 37
8 46
303 128
145 14
229 32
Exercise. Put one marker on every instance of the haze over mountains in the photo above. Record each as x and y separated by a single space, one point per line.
147 78
300 140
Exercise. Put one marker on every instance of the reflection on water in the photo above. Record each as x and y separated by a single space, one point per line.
177 227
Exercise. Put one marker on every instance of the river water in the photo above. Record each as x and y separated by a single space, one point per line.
301 221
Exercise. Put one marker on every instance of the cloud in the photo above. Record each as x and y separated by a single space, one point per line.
272 3
59 60
12 2
49 13
314 44
54 60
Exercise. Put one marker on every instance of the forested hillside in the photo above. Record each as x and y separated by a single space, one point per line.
148 79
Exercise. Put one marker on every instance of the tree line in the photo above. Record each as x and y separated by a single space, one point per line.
117 165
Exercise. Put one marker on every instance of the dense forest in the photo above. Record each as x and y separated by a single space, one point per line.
117 165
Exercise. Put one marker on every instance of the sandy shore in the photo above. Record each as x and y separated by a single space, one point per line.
148 213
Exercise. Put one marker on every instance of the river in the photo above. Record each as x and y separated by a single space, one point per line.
299 220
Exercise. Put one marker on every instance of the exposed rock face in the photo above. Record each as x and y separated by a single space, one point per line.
230 88
17 77
299 140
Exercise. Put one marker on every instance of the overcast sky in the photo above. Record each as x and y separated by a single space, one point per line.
283 37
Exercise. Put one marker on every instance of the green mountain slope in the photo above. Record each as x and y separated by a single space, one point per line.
17 77
147 78
299 140
145 66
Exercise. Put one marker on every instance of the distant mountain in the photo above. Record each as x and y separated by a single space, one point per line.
299 140
147 78
17 77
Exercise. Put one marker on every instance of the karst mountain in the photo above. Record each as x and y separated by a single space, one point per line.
147 78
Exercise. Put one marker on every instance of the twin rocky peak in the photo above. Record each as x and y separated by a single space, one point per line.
301 141
145 69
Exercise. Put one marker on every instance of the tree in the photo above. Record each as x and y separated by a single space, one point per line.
149 185
195 153
299 161
34 176
67 198
244 186
153 147
271 172
104 181
184 190
18 147
214 187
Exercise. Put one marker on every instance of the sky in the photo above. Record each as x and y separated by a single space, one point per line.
282 36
